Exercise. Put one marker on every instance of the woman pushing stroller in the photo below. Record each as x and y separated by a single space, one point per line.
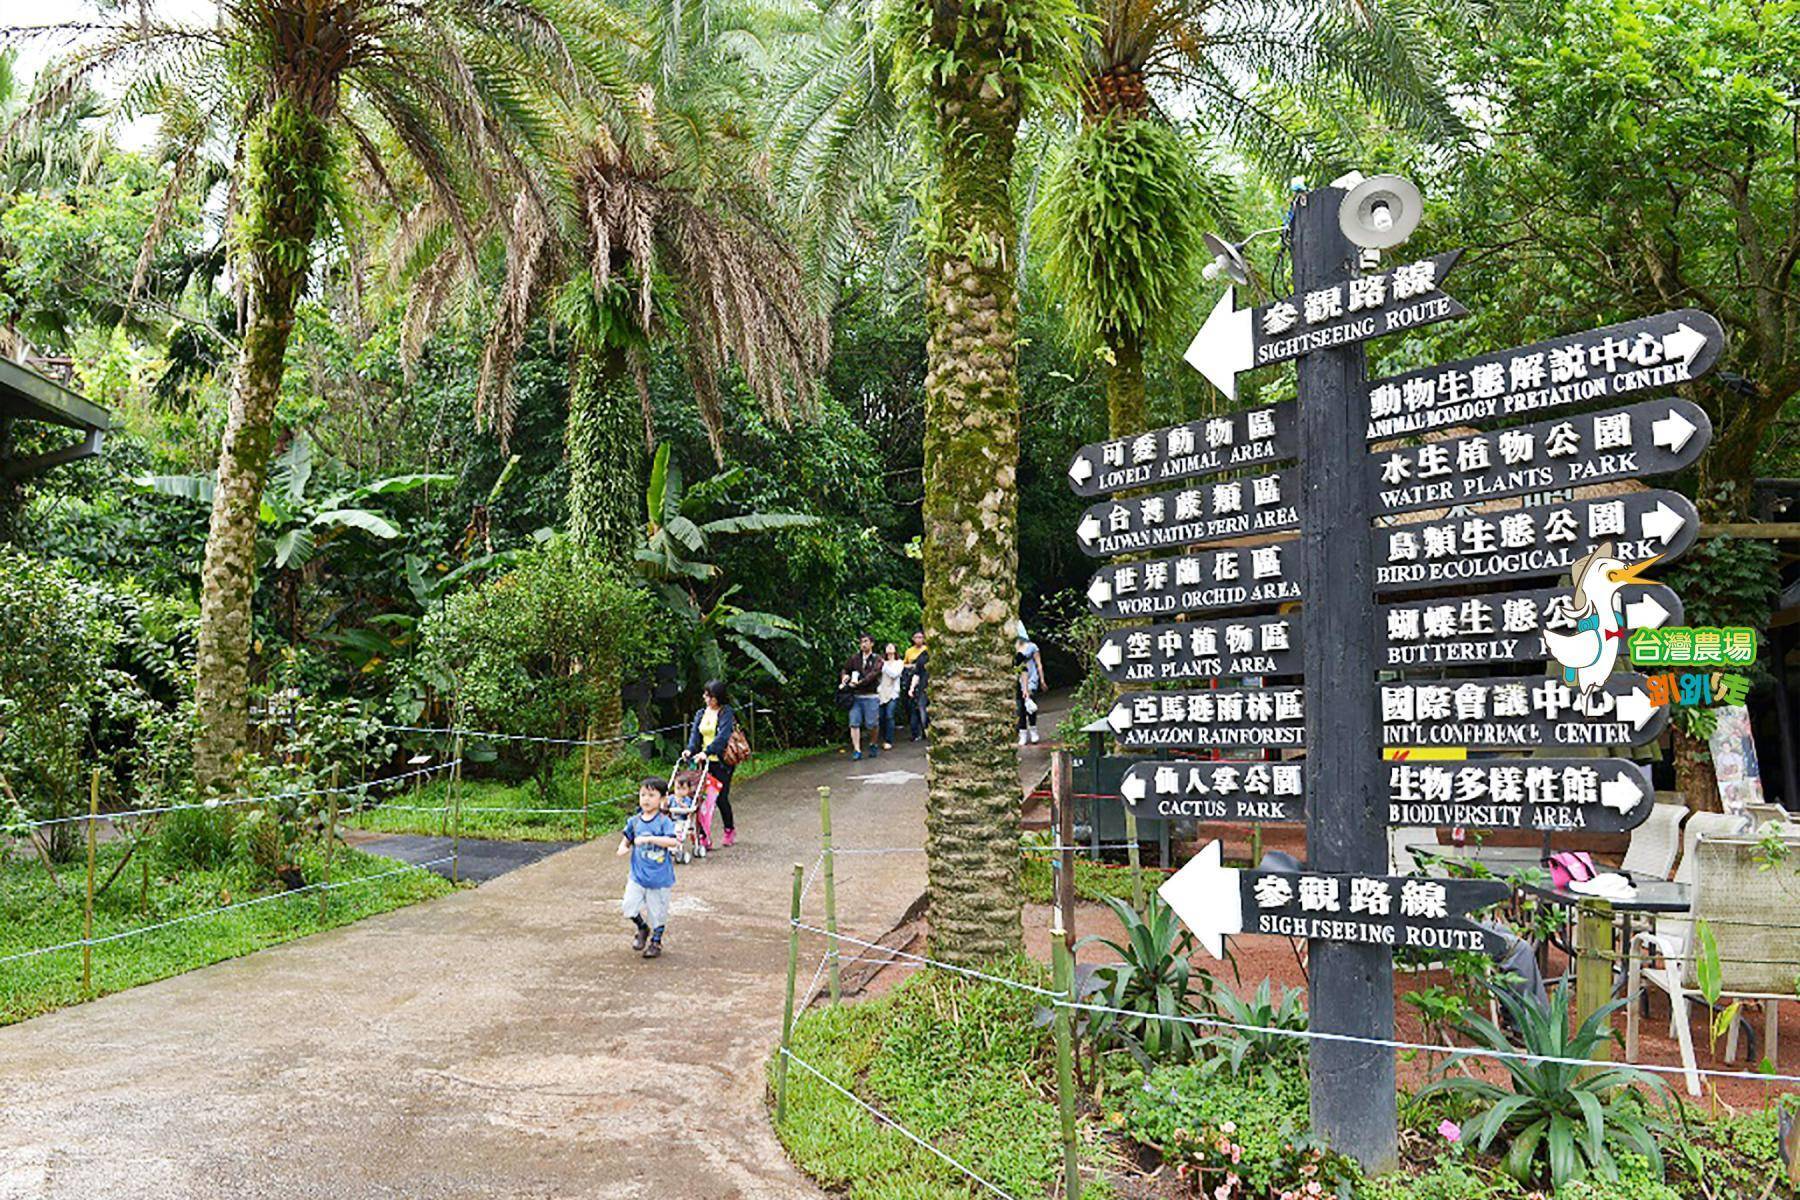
710 739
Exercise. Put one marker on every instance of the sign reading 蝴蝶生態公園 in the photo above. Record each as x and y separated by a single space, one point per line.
1232 647
1587 795
1254 437
1199 581
1519 713
1501 627
1206 513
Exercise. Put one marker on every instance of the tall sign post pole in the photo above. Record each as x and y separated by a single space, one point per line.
1353 1085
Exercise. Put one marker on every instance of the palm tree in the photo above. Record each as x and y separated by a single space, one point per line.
307 93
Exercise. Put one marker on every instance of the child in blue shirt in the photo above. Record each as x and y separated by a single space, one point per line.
649 837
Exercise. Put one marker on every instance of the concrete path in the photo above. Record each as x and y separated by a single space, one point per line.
478 860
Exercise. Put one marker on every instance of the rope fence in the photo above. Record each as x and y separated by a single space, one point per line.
492 736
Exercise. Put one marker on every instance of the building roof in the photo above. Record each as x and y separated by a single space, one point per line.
26 394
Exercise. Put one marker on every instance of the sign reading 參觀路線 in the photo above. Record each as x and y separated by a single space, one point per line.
1207 513
1201 580
1501 627
1224 717
1587 795
1520 543
1518 713
1260 792
1255 437
1201 649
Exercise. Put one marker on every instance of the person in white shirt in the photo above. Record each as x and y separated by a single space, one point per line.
887 692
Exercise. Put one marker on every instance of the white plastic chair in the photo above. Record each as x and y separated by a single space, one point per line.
1655 842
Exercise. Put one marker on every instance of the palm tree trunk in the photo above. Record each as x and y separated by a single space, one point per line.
284 216
1126 411
971 517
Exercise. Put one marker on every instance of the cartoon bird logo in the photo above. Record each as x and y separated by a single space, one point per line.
1587 655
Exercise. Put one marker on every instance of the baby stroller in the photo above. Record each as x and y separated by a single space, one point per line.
694 817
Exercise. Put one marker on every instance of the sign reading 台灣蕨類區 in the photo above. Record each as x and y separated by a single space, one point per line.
1203 580
1402 912
1268 718
1205 513
1354 310
1254 437
1520 543
1653 438
1230 791
1202 649
1502 626
1589 795
1519 713
1662 351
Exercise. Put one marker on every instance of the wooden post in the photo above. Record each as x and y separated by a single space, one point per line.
787 1011
456 814
829 861
1063 983
87 912
144 887
1062 800
331 819
1137 871
1593 965
587 775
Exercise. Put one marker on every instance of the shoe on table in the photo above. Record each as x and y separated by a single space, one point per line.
637 943
653 950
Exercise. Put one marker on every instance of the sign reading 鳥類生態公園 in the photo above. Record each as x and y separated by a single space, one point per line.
1652 438
1586 795
1524 542
1519 713
1254 437
1205 513
1662 351
1231 647
1400 912
1501 627
1267 718
1199 581
1229 791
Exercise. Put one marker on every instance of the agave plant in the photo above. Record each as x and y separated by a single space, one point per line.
1263 1038
1559 1107
1151 986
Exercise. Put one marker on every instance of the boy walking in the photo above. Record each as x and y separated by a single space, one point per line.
649 838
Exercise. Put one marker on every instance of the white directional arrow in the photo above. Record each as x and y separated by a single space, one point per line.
1205 895
1661 522
1110 654
1132 787
1635 706
1119 718
1224 345
1684 344
1672 431
1647 613
1620 793
1089 529
1099 591
1081 469
889 778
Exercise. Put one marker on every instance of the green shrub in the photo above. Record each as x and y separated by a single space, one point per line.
1152 980
894 616
1244 1050
1445 1181
195 839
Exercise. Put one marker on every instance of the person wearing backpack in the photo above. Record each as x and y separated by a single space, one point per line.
715 734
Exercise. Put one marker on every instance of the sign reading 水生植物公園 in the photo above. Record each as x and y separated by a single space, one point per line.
1232 647
1198 581
1210 512
1501 627
1254 437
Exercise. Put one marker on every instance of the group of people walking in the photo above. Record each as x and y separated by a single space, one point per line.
882 692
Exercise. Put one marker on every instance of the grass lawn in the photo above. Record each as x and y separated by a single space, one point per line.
32 914
496 809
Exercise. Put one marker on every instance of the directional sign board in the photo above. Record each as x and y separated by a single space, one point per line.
1209 513
1633 356
1501 627
1518 713
1234 340
1401 912
1253 792
1266 717
1653 438
1202 650
1254 437
1229 577
1522 543
1587 795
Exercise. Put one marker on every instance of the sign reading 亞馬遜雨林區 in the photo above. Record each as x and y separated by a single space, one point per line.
1586 795
1205 513
1518 713
1201 649
1198 581
1500 627
1267 717
1252 438
1231 791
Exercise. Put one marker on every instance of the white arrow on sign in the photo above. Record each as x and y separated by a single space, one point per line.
1661 522
1089 529
890 778
1619 793
1110 654
1133 788
1673 431
1224 346
1647 613
1119 718
1081 469
1205 895
1099 591
1635 706
1685 343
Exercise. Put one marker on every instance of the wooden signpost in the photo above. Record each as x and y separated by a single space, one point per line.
1231 577
1254 437
1460 631
1204 513
1202 649
1230 791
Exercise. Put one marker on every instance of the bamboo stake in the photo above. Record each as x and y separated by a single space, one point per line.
456 814
830 859
331 819
1137 870
87 915
787 1012
1063 974
587 774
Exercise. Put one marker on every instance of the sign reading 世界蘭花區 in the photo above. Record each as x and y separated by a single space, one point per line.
1502 626
1254 437
1199 581
1205 513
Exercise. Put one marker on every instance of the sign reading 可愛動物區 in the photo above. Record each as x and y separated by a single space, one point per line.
1653 438
1254 437
1202 649
1268 717
1201 580
1518 713
1502 626
1231 791
1521 543
1204 513
1633 356
1586 795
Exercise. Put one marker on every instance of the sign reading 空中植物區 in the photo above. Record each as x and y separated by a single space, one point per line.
1587 795
1201 649
1265 717
1201 580
1205 513
1662 351
1254 437
1501 627
1228 791
1652 438
1518 713
1520 543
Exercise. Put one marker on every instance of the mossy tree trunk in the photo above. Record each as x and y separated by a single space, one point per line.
1126 411
971 504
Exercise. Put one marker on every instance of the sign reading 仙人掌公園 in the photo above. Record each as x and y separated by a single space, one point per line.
1231 791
